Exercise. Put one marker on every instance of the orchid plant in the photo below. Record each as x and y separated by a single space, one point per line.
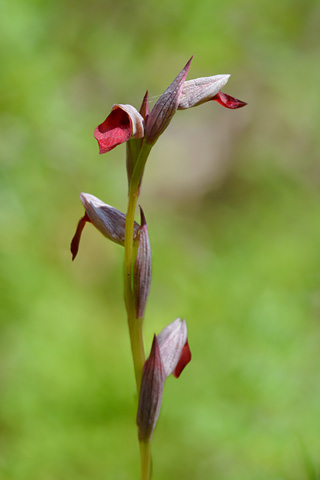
170 351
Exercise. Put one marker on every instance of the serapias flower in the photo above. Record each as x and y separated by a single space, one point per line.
182 94
123 123
108 220
170 353
201 90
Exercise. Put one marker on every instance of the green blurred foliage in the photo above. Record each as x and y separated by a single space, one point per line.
233 206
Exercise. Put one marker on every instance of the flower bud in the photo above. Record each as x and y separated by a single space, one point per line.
169 354
142 269
123 123
108 220
165 107
152 384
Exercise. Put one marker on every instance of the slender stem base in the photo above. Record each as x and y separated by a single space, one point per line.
145 457
134 323
137 349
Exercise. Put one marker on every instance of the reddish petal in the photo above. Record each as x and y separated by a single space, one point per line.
184 359
74 247
228 101
114 130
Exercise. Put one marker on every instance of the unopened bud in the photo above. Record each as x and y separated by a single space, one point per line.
142 268
152 384
169 354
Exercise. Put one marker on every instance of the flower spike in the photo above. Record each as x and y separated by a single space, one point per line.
140 130
123 123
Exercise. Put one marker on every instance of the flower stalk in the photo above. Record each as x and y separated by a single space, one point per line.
134 324
145 460
170 351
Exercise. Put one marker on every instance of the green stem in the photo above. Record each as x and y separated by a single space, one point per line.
134 323
145 458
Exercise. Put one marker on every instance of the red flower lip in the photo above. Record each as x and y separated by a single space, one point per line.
228 101
123 123
201 90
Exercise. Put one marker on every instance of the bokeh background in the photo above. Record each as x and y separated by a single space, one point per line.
233 207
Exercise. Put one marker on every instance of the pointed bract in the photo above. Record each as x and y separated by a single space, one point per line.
123 123
142 268
152 384
200 90
165 107
144 109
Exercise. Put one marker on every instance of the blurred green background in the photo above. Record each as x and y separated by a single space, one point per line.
233 207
